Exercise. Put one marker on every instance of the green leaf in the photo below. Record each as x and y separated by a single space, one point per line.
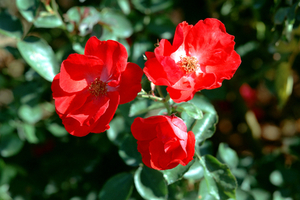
175 174
162 26
220 182
205 127
125 6
192 110
29 114
204 193
116 132
10 145
118 187
138 107
129 153
57 130
203 104
188 120
243 195
150 183
118 24
283 83
40 56
30 135
10 25
27 8
227 155
151 6
195 172
48 20
280 15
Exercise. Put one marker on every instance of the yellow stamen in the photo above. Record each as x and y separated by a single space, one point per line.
189 64
98 88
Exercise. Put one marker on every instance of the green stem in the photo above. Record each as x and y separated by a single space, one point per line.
159 91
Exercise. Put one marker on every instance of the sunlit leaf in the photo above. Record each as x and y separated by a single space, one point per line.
204 193
150 183
138 107
195 172
48 20
28 8
283 83
118 187
175 174
192 110
221 184
40 56
205 128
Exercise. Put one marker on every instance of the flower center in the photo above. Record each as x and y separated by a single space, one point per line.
98 88
189 64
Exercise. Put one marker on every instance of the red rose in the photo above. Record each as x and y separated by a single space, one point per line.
201 57
163 141
89 87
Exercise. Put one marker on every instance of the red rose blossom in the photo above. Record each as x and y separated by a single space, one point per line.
163 141
89 87
201 57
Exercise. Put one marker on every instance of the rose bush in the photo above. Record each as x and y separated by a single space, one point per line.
89 87
163 141
201 57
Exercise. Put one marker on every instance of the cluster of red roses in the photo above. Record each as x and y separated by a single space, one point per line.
89 87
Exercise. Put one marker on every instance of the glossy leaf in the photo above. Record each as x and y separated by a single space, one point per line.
10 25
48 20
129 153
195 172
220 182
40 56
150 183
205 127
118 187
227 155
27 8
192 110
203 104
175 174
204 193
10 145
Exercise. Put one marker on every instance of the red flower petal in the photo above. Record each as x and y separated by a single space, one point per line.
225 70
112 53
77 71
101 124
66 102
145 129
180 34
130 83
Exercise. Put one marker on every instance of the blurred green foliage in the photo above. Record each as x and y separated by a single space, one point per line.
40 160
